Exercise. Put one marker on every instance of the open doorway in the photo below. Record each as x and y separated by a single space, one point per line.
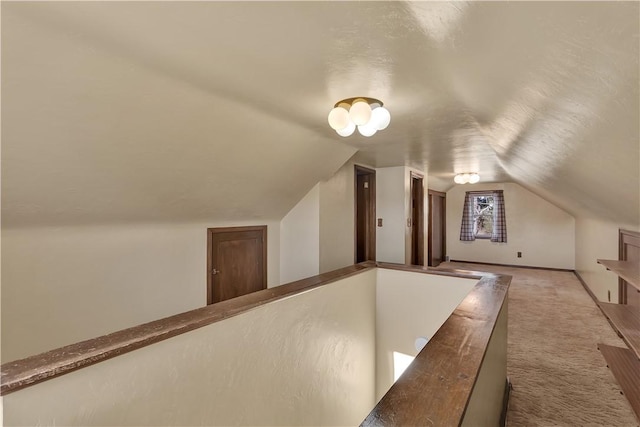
417 219
365 214
437 228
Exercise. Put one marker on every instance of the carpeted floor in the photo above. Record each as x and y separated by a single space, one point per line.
559 377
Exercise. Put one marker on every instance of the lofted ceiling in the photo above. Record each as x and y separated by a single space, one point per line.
157 111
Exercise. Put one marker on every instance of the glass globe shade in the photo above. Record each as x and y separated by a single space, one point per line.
360 113
458 179
338 118
381 117
473 178
465 177
348 130
367 130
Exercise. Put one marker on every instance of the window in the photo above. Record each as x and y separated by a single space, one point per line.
483 215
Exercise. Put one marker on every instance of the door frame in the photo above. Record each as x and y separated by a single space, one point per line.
625 237
370 246
417 224
432 193
219 230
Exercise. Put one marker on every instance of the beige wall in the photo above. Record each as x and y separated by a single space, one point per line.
393 239
410 306
393 205
337 219
390 206
598 239
66 284
306 360
544 233
487 398
300 239
337 222
322 357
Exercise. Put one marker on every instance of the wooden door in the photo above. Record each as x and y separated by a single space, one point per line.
629 250
365 214
417 219
437 247
236 262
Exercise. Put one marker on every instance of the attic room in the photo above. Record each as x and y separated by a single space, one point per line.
132 131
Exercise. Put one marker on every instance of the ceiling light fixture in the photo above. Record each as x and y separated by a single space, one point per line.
366 114
464 178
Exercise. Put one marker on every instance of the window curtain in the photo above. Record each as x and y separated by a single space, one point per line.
499 233
468 221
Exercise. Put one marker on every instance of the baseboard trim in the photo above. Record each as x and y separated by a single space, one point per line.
597 302
514 266
586 288
505 403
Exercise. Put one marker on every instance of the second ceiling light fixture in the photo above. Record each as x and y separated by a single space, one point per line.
466 178
366 114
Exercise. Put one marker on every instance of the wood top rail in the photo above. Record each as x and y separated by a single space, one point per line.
436 386
35 369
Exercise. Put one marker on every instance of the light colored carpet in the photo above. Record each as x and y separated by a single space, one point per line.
559 376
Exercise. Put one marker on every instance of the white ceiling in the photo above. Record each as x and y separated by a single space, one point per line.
145 111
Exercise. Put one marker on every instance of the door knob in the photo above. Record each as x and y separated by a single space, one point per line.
214 271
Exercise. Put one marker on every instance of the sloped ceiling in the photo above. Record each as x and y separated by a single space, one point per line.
145 111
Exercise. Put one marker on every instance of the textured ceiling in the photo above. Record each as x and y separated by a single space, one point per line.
116 111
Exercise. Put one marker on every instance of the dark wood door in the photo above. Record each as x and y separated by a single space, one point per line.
417 219
629 250
437 228
365 212
237 262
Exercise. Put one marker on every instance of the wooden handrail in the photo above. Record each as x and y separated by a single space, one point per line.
35 369
467 331
440 380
